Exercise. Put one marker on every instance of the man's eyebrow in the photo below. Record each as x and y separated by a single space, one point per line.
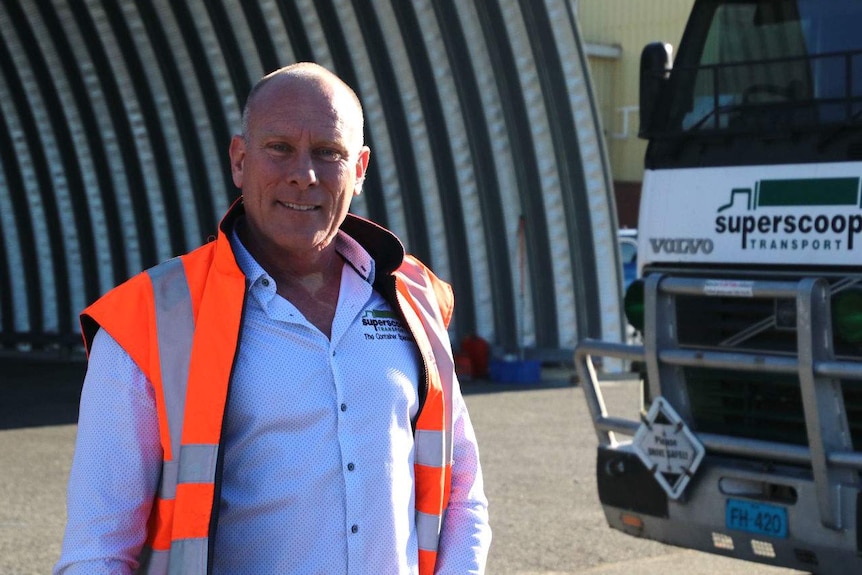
269 133
334 143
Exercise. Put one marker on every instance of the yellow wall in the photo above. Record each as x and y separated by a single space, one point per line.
628 25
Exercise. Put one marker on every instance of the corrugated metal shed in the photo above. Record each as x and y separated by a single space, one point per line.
115 117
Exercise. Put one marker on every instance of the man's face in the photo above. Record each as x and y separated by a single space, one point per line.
302 163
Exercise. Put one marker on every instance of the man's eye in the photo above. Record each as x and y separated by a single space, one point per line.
329 154
277 147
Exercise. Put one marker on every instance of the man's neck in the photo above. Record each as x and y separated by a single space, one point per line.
311 282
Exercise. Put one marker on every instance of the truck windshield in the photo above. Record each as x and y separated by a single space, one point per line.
764 67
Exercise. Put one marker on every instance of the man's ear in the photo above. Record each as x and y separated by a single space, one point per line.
237 159
361 168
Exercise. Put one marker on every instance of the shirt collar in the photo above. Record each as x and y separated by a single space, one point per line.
347 247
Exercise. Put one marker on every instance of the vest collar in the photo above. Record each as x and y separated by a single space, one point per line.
381 244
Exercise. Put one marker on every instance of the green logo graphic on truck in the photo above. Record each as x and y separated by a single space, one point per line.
784 228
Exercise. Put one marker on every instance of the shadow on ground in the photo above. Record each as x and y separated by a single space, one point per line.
37 392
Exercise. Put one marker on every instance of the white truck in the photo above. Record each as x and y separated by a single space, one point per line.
749 440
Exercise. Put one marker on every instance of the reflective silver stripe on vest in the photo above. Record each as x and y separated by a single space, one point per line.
429 451
188 556
168 481
175 328
189 463
153 562
197 463
428 530
429 447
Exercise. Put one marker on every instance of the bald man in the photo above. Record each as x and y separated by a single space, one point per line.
282 399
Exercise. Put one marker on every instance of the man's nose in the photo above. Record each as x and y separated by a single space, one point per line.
302 173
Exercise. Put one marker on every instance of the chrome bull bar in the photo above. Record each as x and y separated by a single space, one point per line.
829 453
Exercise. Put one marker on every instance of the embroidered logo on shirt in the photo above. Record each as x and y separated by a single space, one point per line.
384 324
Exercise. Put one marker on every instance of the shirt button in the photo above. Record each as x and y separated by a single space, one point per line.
265 282
350 467
343 407
354 529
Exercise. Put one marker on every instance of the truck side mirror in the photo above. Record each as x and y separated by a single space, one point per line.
656 61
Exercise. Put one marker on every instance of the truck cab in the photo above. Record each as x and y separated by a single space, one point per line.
749 442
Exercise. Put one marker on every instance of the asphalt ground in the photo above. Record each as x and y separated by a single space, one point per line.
538 453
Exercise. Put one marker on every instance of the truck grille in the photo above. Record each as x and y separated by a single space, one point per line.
750 404
740 404
760 406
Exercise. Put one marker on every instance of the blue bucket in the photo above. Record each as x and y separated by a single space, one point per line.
515 371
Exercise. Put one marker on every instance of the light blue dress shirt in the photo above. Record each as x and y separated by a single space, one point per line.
318 447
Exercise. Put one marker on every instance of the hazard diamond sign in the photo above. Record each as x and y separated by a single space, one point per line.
668 448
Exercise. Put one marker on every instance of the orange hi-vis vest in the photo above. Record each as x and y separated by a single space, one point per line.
180 322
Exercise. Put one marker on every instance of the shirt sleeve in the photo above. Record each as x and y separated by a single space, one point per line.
116 466
466 534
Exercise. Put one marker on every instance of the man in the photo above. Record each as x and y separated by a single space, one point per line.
283 399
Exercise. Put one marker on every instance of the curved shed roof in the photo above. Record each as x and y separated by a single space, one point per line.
115 119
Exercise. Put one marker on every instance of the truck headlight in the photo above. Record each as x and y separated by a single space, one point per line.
633 304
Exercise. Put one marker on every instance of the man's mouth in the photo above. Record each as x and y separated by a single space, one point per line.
299 207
